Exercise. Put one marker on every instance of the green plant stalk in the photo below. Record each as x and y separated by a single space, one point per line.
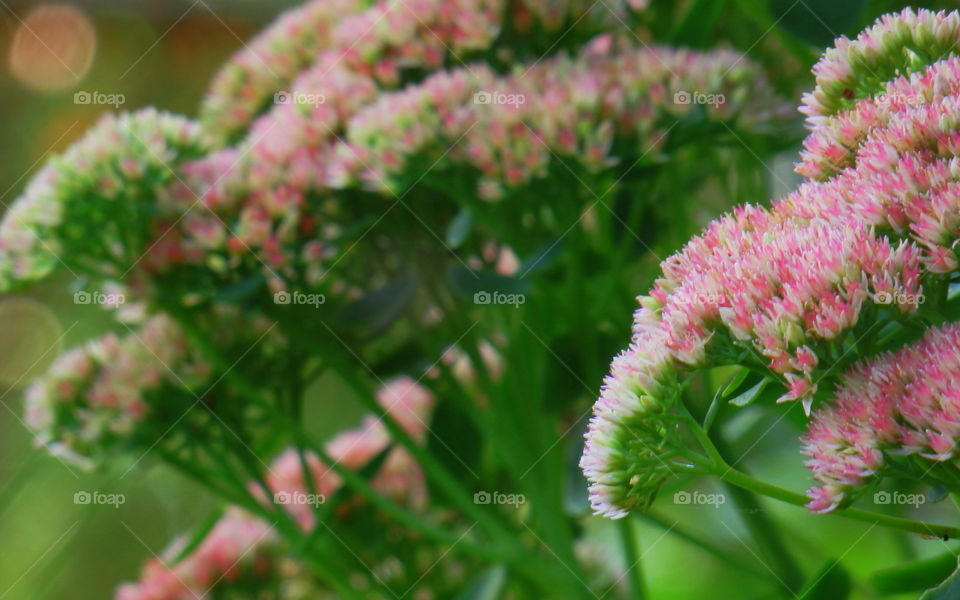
764 530
431 466
452 489
523 562
628 540
729 474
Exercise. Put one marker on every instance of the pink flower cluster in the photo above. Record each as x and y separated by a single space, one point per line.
630 442
93 399
780 286
272 203
509 128
900 404
897 43
88 207
243 548
381 40
238 549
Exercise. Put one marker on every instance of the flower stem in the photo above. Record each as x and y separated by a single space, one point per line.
744 481
628 539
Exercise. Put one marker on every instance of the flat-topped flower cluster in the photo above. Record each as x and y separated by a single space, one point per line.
804 287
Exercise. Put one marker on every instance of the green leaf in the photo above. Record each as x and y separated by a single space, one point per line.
488 586
949 589
542 258
241 290
379 308
913 576
750 395
459 228
735 382
937 493
830 582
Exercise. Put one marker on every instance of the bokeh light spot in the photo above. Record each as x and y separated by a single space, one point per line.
53 48
30 339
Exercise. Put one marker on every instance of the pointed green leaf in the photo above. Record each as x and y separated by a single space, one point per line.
750 395
948 590
459 228
488 586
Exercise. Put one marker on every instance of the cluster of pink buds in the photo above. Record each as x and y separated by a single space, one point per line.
399 477
382 40
575 109
240 552
889 408
94 398
90 208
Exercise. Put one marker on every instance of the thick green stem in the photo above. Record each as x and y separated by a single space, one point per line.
767 489
763 529
628 539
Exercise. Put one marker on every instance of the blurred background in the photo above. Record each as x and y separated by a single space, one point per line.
66 64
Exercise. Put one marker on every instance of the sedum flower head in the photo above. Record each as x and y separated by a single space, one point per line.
889 408
95 399
88 207
897 43
631 434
